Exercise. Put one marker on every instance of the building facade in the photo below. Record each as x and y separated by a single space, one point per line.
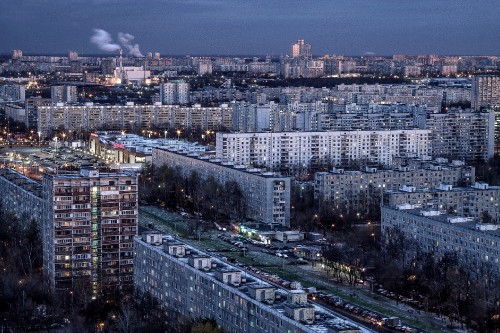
363 189
267 195
21 195
92 117
479 201
89 223
312 149
475 242
63 94
174 92
485 91
191 283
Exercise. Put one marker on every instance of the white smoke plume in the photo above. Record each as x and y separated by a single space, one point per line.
105 42
125 40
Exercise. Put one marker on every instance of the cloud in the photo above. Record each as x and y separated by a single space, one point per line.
133 50
103 40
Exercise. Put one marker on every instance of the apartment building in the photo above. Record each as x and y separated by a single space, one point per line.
485 91
89 223
267 195
436 232
479 201
31 105
463 135
174 92
12 92
21 195
311 149
130 117
191 283
63 94
363 189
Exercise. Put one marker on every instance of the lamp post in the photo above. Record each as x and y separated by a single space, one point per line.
178 134
166 134
39 138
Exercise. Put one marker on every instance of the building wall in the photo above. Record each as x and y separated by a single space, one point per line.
21 195
197 293
438 235
364 188
267 196
130 117
288 149
90 220
465 201
485 91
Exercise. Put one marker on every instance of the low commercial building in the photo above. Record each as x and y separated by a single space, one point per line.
267 195
479 201
474 241
190 282
120 148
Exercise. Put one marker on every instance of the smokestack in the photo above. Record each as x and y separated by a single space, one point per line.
121 67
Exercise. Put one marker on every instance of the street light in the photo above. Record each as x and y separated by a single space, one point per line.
178 134
166 134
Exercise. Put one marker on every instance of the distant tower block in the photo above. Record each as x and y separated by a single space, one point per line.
16 54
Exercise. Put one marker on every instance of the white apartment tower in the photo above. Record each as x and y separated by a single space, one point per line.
174 92
301 50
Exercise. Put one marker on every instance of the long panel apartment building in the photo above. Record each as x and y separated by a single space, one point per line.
310 149
364 188
479 201
267 195
21 195
437 232
191 283
92 117
89 224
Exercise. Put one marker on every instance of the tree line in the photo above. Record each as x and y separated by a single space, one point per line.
169 187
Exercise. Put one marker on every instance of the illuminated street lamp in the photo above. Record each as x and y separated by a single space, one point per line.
178 134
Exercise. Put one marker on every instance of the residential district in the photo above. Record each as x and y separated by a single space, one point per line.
250 194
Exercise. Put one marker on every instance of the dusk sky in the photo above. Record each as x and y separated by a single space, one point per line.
237 27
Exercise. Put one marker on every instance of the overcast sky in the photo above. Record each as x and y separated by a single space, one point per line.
239 27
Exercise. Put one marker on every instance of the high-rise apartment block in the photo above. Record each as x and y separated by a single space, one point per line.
89 223
267 195
16 54
301 50
485 91
204 67
63 94
73 55
31 106
191 283
462 135
174 92
311 149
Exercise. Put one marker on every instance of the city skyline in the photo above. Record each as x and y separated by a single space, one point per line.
218 27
